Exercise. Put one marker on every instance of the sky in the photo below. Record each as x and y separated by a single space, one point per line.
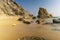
52 6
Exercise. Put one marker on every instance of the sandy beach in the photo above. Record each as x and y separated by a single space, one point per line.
11 29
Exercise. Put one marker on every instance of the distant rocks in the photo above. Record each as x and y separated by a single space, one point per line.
42 15
24 21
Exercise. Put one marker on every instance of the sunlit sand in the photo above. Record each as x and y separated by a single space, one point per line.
11 29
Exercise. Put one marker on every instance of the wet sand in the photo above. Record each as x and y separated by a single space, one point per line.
11 29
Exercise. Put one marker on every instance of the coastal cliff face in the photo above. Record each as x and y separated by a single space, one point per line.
43 13
11 8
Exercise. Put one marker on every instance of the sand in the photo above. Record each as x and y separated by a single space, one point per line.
11 29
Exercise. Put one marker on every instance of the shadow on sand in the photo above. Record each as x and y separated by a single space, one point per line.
32 38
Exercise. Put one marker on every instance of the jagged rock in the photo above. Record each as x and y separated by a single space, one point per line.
43 13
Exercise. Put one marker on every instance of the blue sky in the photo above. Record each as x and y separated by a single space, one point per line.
53 6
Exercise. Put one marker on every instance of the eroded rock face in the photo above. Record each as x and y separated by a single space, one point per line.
10 7
43 13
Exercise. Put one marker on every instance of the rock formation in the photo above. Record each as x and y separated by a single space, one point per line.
11 8
43 13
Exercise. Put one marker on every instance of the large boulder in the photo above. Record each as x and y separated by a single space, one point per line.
42 13
26 22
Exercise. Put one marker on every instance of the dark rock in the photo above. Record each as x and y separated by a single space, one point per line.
37 21
26 22
33 17
20 19
56 21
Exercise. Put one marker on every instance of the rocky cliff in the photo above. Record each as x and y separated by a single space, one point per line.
11 8
43 13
